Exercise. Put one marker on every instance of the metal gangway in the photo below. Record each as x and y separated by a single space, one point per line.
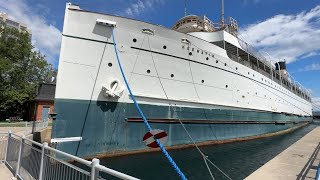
30 160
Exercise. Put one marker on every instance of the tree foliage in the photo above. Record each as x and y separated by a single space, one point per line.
22 68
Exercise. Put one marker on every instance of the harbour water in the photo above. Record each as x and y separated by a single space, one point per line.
237 160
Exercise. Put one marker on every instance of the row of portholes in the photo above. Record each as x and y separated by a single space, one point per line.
207 58
172 75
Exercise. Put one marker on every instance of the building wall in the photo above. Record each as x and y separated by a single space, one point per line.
40 105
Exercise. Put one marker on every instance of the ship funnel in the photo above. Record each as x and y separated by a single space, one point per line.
281 65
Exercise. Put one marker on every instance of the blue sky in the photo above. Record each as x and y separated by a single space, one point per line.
285 29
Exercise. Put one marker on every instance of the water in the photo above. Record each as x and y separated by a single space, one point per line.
237 160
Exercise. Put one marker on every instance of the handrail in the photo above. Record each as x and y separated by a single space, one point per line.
46 151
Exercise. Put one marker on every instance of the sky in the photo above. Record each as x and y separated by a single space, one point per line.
281 29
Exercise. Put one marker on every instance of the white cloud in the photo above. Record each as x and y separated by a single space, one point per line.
45 36
289 37
311 67
316 103
141 6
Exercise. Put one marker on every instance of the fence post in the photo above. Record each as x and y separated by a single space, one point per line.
94 173
26 128
19 156
42 160
33 127
6 151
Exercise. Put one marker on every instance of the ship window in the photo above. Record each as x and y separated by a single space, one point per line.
236 68
217 61
207 58
202 81
198 51
192 49
164 47
226 86
190 53
109 64
134 40
248 72
188 20
148 71
182 47
225 64
201 52
253 75
212 55
172 75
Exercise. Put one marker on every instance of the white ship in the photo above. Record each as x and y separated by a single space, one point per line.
198 72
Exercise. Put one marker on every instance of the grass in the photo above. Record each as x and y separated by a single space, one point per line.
17 124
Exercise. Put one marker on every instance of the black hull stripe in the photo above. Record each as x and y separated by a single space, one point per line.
176 121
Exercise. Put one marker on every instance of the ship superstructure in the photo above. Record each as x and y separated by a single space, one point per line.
198 72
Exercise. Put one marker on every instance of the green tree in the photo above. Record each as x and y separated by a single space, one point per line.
22 68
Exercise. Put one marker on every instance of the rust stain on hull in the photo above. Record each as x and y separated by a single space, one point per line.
206 143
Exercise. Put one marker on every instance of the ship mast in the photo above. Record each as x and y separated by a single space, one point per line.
185 7
222 14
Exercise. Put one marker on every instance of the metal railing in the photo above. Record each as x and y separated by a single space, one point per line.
28 159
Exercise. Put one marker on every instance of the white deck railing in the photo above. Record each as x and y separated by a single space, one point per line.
28 159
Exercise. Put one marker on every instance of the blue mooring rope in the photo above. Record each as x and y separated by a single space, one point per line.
174 165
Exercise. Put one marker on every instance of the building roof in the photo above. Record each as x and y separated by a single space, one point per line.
46 92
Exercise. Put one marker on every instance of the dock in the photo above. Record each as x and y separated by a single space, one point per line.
299 161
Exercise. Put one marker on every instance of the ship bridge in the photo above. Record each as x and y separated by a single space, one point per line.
226 37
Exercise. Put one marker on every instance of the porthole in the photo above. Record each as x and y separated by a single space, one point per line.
190 53
198 51
148 71
236 68
253 75
109 64
206 53
188 48
164 47
225 64
134 40
248 72
207 58
226 86
202 81
256 93
182 47
172 75
262 79
201 52
217 61
212 55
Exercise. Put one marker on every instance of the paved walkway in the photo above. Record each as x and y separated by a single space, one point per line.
5 173
299 161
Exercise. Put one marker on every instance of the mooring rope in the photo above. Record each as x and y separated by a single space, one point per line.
205 158
174 165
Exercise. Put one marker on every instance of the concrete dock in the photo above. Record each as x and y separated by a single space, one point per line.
299 161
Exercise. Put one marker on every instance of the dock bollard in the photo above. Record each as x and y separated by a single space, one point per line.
94 172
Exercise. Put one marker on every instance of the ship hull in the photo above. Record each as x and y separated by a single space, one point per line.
114 128
215 97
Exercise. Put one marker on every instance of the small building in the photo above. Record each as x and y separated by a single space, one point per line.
40 108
